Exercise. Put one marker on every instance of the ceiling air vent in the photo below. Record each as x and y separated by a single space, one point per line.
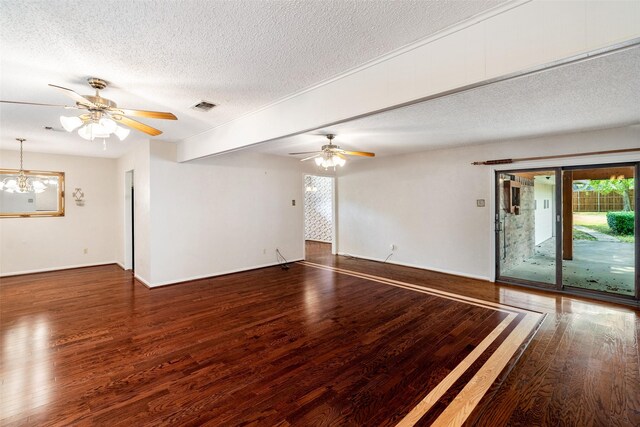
203 106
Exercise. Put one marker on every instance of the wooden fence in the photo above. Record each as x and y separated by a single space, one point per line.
592 201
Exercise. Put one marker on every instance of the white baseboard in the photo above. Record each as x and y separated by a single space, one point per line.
421 267
210 275
143 281
66 267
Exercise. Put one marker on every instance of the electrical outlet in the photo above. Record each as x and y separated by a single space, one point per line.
264 251
86 251
392 247
293 202
480 203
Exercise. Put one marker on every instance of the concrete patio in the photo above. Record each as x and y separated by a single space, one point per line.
597 265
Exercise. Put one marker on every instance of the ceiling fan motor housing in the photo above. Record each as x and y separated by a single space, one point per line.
96 83
101 102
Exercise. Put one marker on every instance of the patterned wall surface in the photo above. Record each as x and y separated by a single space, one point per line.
317 208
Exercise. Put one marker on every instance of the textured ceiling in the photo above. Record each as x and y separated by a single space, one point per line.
598 93
168 55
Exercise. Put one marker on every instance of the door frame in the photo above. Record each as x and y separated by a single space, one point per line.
129 220
559 287
334 213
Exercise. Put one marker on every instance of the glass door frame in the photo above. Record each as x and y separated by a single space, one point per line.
609 296
558 197
558 230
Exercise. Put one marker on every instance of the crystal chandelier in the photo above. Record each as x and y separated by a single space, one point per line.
21 183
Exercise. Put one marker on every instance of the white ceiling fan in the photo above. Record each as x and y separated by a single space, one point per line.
331 155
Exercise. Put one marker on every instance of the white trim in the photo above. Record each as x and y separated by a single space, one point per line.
421 267
334 215
143 281
211 275
65 267
304 215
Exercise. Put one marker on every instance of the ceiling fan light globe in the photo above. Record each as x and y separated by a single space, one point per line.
121 132
337 160
70 123
319 161
85 133
92 131
109 125
99 131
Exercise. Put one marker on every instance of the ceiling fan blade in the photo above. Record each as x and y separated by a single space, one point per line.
359 153
37 103
340 155
76 97
143 113
304 152
310 157
137 125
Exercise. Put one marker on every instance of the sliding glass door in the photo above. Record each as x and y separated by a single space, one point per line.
571 228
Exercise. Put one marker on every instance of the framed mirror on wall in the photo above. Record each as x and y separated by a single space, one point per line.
25 194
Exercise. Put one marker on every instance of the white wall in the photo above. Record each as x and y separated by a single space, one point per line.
49 243
543 216
221 214
425 203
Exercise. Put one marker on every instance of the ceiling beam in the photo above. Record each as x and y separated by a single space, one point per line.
517 39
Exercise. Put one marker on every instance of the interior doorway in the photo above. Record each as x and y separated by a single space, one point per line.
571 229
319 214
129 222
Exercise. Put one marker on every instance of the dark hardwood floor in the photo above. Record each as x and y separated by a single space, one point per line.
305 346
582 368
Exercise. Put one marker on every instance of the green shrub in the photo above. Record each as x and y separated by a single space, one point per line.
621 222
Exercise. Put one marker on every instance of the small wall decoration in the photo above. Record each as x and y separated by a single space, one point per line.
78 196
